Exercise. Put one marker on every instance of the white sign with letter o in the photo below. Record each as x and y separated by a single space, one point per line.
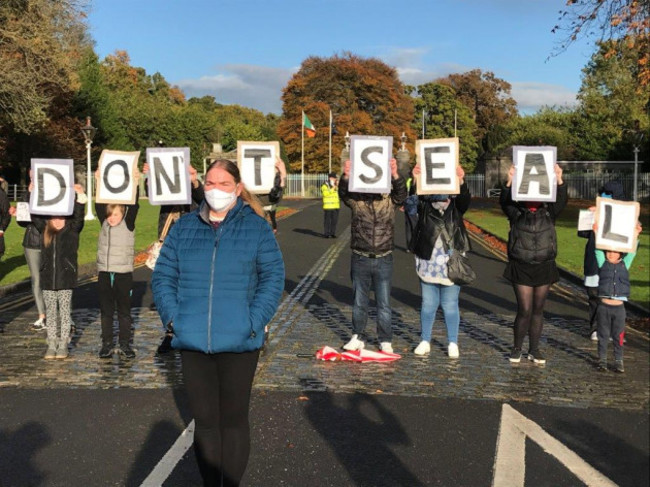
370 164
117 177
53 193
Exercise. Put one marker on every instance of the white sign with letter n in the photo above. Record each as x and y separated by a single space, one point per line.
616 229
370 157
169 177
534 178
256 162
53 193
117 177
438 159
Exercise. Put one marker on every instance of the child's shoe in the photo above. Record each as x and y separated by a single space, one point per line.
618 366
62 349
51 350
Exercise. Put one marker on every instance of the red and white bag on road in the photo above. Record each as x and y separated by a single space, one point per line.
333 355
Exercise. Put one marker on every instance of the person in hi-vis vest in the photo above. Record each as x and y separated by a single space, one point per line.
331 205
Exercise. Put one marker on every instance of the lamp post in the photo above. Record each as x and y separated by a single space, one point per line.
637 138
89 132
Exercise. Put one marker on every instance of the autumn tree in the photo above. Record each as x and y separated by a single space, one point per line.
443 115
627 21
41 42
365 96
488 99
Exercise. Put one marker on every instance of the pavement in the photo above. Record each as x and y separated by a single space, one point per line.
417 421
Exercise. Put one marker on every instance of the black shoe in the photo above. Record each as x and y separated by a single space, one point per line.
152 307
106 350
536 357
602 366
618 366
515 355
127 351
166 345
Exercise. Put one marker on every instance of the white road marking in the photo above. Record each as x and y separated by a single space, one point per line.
167 464
509 461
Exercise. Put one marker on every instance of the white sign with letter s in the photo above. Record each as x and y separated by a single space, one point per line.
370 164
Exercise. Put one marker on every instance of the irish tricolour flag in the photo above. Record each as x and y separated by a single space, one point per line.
309 128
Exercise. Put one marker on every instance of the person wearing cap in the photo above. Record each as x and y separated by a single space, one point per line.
331 205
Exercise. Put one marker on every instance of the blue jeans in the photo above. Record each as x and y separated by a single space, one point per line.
366 272
434 295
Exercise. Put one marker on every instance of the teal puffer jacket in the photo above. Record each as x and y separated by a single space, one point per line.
219 288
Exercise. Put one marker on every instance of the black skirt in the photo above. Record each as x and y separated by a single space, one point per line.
532 275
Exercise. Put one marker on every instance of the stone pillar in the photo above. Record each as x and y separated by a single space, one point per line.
403 163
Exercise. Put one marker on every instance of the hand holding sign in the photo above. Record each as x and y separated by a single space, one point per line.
257 163
169 175
371 168
53 193
616 225
437 160
536 173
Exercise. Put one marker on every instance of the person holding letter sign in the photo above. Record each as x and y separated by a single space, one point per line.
439 231
115 252
613 291
217 283
372 243
59 272
532 249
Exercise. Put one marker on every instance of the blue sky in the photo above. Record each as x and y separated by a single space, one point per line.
244 51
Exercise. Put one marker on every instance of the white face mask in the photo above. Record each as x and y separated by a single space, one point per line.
219 200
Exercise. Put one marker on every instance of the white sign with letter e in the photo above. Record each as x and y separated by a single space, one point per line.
534 178
169 177
117 177
370 164
53 193
438 159
616 224
256 162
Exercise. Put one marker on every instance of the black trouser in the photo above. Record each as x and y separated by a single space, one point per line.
594 301
611 323
219 389
330 219
274 223
115 295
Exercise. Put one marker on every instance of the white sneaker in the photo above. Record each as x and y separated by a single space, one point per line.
39 324
423 348
354 344
386 347
452 350
594 336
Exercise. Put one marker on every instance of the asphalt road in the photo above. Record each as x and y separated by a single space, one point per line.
415 422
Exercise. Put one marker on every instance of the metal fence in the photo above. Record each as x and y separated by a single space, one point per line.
586 186
312 182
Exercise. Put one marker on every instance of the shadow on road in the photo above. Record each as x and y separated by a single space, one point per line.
17 451
362 433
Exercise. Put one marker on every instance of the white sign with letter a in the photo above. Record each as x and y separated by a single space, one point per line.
256 162
117 177
53 193
169 177
438 159
534 178
370 164
616 221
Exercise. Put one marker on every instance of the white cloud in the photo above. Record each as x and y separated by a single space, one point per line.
531 96
258 87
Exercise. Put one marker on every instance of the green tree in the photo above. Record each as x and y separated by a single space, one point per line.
488 99
365 96
442 109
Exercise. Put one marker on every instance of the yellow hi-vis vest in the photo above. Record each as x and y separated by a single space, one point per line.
330 197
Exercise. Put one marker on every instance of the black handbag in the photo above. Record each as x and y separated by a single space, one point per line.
459 270
276 194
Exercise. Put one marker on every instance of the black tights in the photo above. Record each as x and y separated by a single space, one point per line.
530 314
219 389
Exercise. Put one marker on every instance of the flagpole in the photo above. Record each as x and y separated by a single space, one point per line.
302 158
330 170
423 123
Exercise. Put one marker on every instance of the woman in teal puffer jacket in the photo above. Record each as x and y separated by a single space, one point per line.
217 283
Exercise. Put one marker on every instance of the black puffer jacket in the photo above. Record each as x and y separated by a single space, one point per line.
430 222
32 237
59 259
532 238
373 216
166 210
